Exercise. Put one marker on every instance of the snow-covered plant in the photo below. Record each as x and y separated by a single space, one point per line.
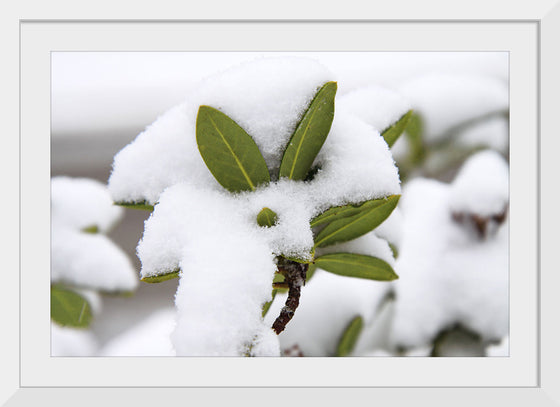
244 185
84 261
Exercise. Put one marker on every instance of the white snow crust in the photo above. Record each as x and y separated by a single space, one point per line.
482 185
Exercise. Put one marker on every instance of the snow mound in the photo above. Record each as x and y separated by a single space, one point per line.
449 275
482 185
72 342
148 338
81 203
84 259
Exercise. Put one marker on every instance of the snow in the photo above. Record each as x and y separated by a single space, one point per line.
447 100
151 337
227 270
481 187
447 273
72 342
90 260
377 106
492 133
499 349
81 203
78 258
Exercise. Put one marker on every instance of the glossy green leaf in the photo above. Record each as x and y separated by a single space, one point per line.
144 206
230 154
356 265
350 337
371 215
161 277
310 134
393 132
267 218
68 308
339 212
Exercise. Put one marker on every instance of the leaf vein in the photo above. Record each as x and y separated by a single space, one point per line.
233 154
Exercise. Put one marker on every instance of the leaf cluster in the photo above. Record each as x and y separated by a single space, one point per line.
234 159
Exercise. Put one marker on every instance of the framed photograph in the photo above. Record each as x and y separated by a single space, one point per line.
58 55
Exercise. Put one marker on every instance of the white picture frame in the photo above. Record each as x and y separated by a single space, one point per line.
30 376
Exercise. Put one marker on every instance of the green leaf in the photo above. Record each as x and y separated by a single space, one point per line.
310 272
393 132
144 206
93 229
415 134
310 134
68 308
371 214
230 154
394 250
267 305
339 212
161 277
356 265
350 337
267 218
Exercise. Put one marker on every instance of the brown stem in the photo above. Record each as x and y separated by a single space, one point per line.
294 276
